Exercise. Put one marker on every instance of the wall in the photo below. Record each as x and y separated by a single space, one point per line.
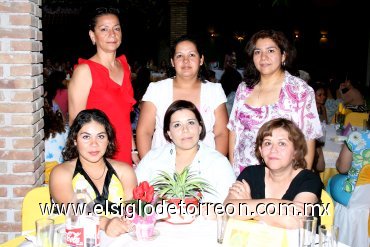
21 123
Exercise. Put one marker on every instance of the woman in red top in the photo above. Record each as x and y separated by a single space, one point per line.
103 82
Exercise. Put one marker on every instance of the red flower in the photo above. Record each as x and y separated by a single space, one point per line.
144 192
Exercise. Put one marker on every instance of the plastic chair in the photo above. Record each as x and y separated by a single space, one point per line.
353 220
327 219
31 211
356 118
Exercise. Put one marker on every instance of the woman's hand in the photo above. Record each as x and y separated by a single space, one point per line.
240 190
135 158
117 226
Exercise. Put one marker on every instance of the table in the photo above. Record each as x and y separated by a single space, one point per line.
331 152
201 232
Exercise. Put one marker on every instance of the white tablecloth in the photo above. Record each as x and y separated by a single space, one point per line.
332 148
199 233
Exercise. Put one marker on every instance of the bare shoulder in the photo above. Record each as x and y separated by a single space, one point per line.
121 167
65 169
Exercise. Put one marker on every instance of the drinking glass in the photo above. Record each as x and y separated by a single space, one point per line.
44 232
221 226
307 231
328 236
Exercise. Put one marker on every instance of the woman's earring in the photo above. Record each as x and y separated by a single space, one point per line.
93 42
283 63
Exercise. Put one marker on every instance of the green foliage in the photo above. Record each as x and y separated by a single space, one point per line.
180 185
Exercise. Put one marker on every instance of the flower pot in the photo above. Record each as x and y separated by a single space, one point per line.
144 227
183 216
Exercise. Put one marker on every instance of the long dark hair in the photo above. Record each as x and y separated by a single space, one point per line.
86 116
252 75
202 74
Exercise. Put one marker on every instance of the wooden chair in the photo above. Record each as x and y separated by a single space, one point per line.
31 208
356 118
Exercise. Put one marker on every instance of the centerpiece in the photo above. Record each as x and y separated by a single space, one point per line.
183 188
144 216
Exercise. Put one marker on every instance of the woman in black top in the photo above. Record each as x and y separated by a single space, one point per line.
282 179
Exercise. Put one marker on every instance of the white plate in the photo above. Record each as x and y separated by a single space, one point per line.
155 235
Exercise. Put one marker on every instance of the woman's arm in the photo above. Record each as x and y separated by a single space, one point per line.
344 160
145 127
310 153
127 177
219 129
231 146
60 183
78 90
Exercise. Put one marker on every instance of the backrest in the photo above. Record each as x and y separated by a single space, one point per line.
31 208
356 118
327 219
360 196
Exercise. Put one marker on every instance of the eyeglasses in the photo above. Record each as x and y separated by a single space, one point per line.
103 10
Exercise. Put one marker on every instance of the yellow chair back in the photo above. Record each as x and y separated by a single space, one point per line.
356 118
327 219
31 208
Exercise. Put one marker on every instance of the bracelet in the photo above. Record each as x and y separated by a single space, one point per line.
134 151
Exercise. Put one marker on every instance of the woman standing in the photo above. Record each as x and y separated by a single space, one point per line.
103 82
270 92
187 59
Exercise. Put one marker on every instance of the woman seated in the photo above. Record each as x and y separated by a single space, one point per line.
354 154
184 129
282 177
90 142
351 95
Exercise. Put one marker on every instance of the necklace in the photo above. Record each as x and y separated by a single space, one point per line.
105 167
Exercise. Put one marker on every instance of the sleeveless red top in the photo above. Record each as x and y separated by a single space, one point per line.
114 100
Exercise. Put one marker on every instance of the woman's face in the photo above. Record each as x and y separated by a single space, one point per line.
92 142
107 33
184 129
320 96
186 59
267 56
277 150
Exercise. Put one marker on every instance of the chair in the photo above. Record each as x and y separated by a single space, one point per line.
327 219
356 118
31 211
353 220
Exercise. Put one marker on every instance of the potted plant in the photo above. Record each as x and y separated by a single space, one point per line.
185 187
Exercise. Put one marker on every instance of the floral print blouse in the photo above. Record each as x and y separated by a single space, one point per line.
359 144
296 102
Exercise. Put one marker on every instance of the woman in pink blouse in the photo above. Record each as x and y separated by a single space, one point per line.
270 92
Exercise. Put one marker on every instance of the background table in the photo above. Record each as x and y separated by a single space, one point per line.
331 152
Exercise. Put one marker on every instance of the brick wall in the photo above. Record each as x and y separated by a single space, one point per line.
21 123
179 18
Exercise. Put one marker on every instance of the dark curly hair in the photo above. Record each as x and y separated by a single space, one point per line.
252 75
53 121
295 135
86 116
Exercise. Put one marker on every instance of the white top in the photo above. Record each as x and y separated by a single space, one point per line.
208 164
161 95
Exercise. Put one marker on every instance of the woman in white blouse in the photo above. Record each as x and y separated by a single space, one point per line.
187 59
184 129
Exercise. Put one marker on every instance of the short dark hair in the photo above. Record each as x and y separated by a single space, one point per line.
177 106
86 116
295 135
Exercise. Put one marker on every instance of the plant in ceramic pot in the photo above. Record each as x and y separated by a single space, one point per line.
185 187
